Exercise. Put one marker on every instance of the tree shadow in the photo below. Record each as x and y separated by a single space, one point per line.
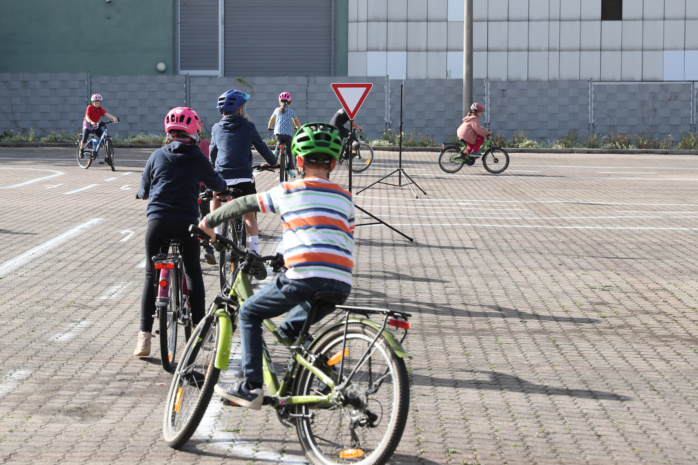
497 312
7 231
503 382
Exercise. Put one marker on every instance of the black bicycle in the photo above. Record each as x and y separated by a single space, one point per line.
90 152
172 306
454 156
360 152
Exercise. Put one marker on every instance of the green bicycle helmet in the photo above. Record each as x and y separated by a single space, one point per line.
317 138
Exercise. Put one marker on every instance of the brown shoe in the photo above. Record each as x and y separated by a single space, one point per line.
143 346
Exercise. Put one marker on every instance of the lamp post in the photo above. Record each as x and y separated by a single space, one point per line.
467 55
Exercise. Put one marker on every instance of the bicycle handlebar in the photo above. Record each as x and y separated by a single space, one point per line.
276 261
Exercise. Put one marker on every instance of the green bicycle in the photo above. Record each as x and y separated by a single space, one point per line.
346 390
454 156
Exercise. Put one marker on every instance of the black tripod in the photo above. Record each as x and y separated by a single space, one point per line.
399 171
350 142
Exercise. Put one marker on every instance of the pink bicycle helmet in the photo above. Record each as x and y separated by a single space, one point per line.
476 107
96 98
285 96
183 119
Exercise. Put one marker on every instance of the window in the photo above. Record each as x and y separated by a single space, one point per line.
611 10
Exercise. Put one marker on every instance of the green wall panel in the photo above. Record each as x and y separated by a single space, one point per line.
119 37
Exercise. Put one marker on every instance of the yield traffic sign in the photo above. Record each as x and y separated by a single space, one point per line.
351 96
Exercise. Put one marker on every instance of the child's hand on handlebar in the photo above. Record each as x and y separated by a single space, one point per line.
203 225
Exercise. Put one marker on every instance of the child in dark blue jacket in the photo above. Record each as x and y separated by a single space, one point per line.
170 182
230 151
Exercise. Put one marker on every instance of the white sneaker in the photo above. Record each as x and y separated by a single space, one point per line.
143 346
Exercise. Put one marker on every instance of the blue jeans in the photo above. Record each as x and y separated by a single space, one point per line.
276 298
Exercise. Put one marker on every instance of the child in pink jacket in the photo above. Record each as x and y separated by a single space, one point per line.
470 130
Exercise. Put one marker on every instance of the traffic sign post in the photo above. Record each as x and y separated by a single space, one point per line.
352 96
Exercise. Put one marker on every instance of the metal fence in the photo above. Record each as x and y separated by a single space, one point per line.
542 110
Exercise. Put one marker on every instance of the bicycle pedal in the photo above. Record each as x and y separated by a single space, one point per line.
228 403
268 400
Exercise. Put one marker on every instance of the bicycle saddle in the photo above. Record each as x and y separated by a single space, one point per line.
327 298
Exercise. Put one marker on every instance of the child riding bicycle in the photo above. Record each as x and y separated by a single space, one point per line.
231 139
318 224
90 123
284 123
470 130
170 183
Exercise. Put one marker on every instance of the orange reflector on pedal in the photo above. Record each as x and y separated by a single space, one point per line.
336 358
164 282
402 324
164 266
178 400
351 454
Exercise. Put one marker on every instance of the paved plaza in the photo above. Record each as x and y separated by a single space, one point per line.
555 312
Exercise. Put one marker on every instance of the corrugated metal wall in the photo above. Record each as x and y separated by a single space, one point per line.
261 34
198 35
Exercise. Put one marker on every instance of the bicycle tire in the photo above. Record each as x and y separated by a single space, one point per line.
109 151
227 263
165 317
170 325
495 160
85 158
282 159
380 386
362 157
192 385
449 159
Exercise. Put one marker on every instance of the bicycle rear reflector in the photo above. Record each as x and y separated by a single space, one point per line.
336 358
351 454
402 324
164 282
164 266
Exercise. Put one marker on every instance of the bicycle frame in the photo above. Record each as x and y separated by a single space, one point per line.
278 391
98 143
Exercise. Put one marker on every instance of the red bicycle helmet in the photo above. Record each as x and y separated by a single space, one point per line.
183 119
476 107
285 96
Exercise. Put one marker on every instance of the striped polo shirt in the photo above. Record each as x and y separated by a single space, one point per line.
318 227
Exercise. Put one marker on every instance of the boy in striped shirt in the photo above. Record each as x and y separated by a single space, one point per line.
318 237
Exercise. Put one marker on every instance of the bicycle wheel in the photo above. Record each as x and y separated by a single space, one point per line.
84 158
171 329
192 384
227 261
495 160
109 154
450 159
362 157
281 157
366 428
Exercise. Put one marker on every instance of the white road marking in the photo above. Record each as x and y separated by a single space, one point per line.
125 188
127 173
109 179
81 189
212 430
515 202
115 291
32 181
126 231
22 259
141 264
71 332
12 380
53 186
